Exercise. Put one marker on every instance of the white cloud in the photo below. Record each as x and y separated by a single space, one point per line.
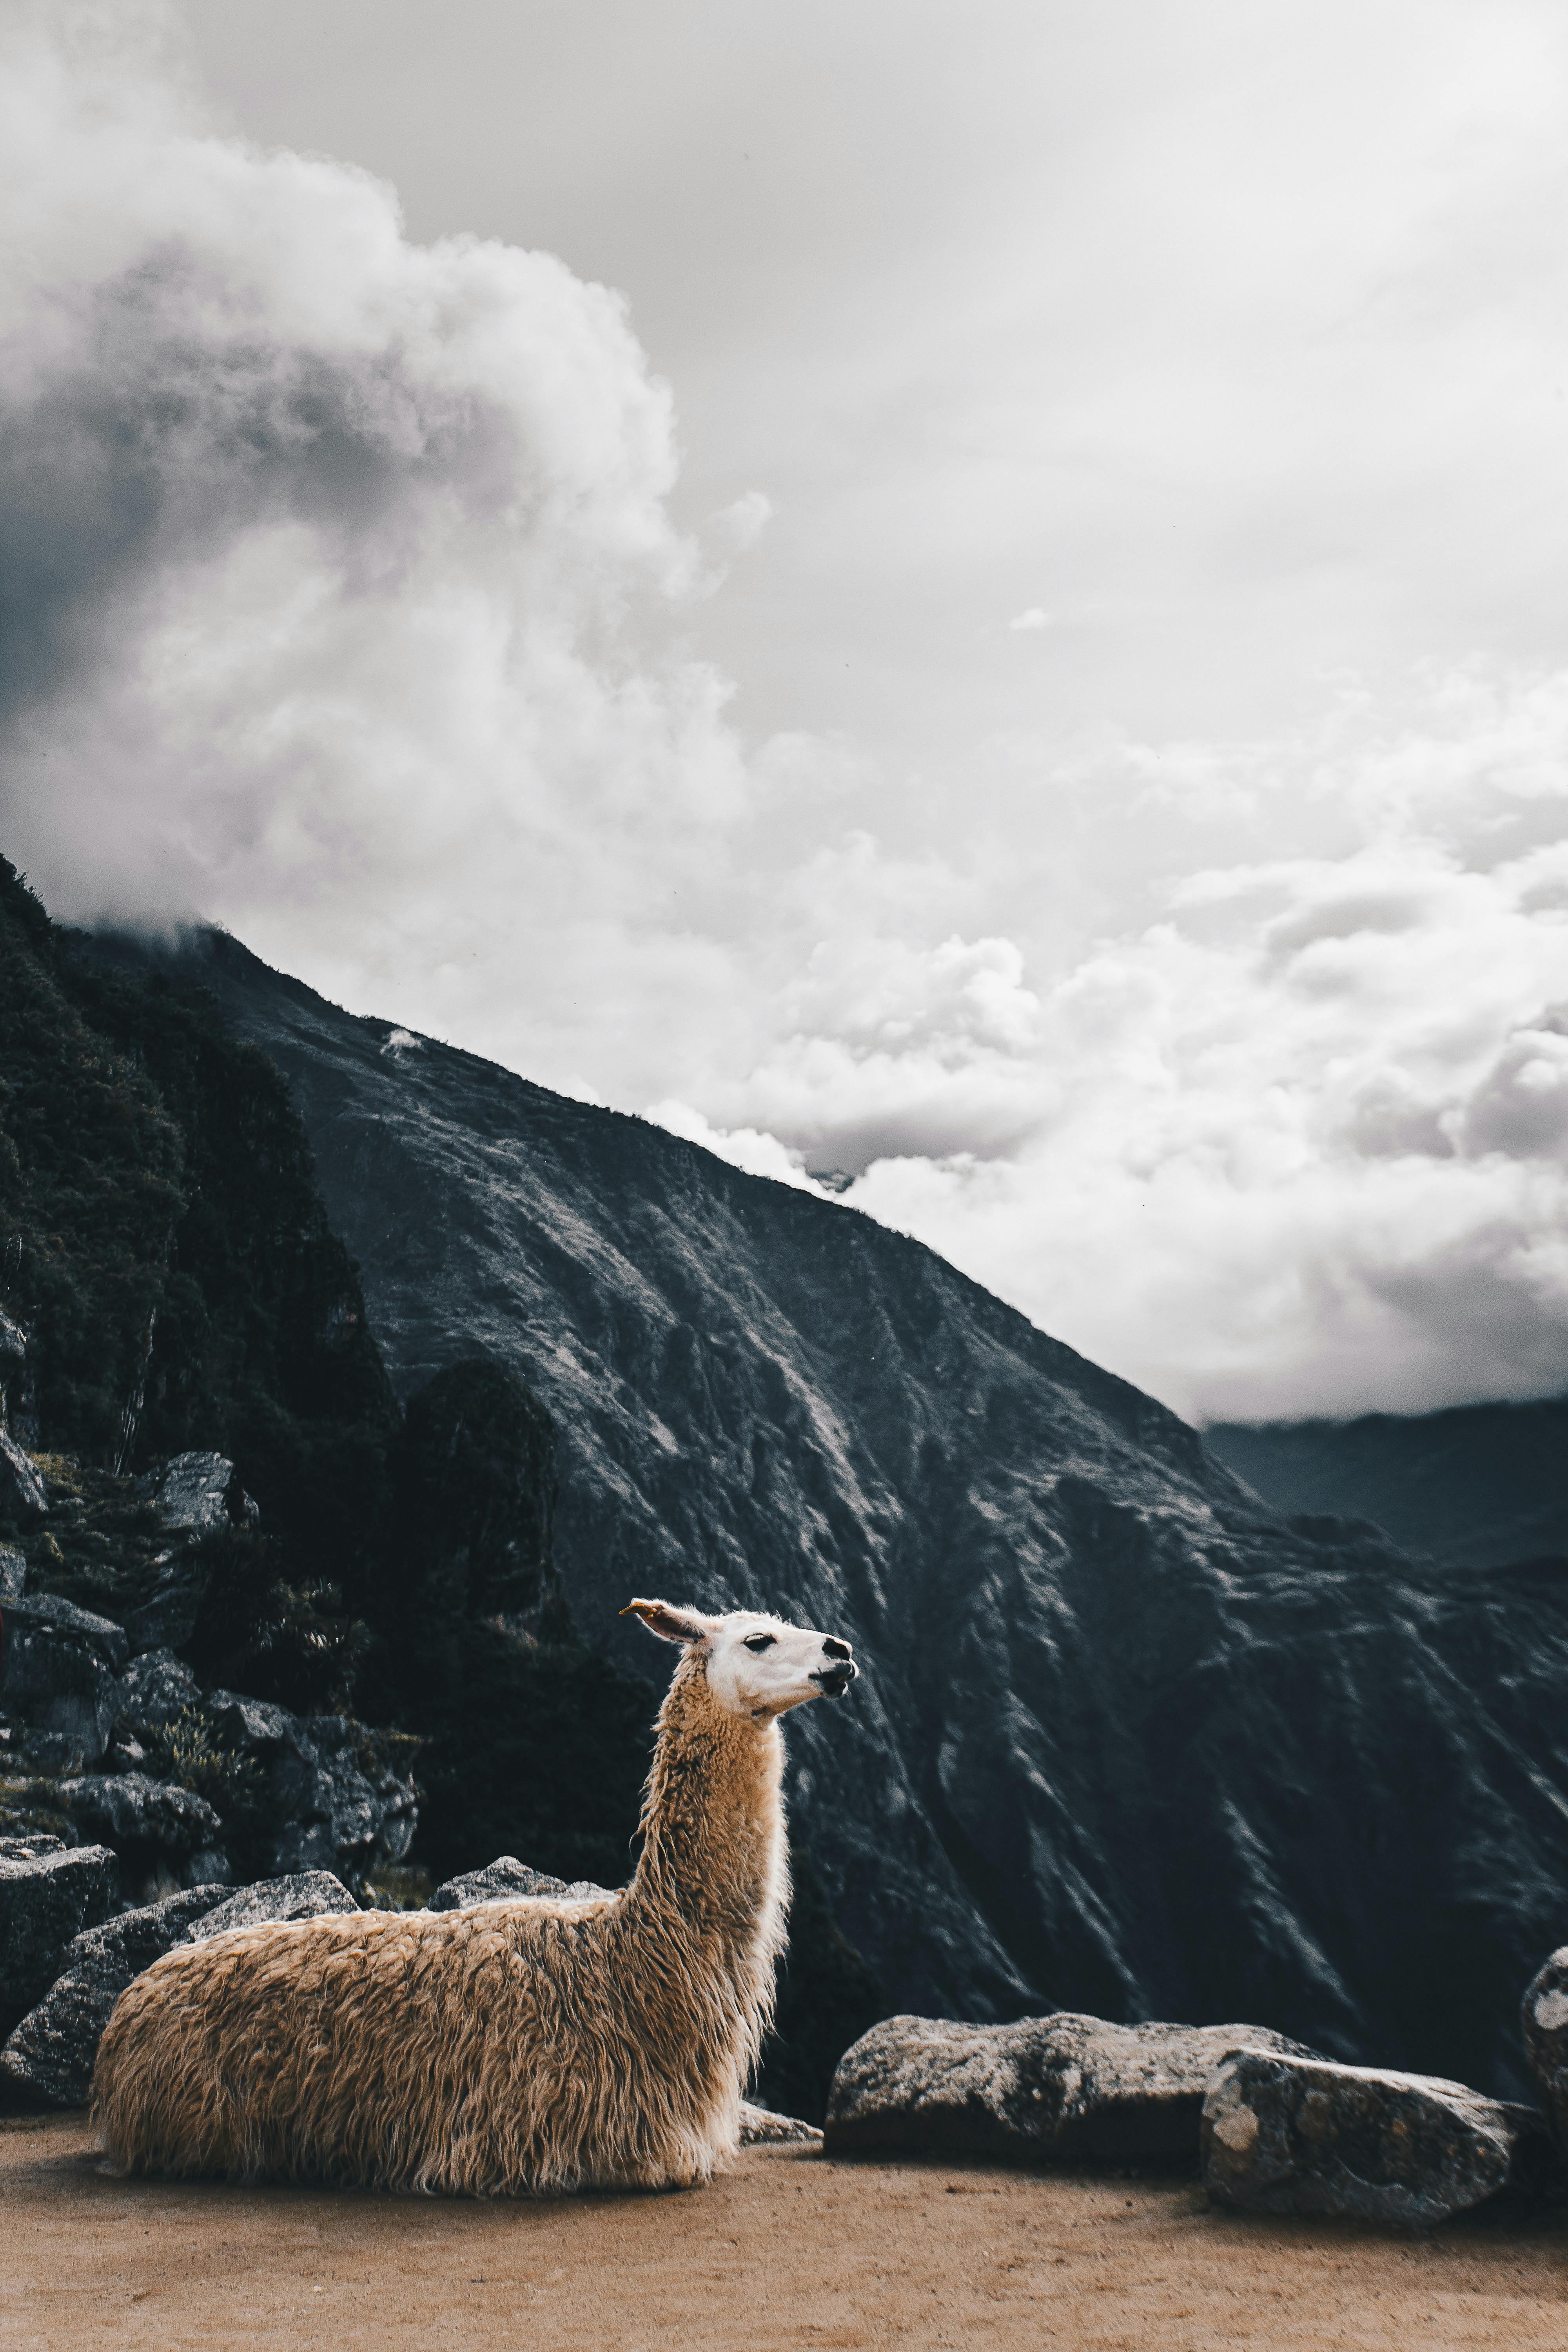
1032 616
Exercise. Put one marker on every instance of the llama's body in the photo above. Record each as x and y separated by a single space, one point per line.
520 2047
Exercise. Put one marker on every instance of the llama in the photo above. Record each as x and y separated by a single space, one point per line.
528 2047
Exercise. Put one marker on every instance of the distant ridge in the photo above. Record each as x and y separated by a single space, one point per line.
1476 1485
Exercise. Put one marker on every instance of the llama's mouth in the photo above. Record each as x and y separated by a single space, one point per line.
835 1680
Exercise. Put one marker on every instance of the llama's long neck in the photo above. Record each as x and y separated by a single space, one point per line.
713 1879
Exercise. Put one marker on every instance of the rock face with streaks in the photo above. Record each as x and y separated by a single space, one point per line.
1286 2134
1126 1742
1048 2089
49 1894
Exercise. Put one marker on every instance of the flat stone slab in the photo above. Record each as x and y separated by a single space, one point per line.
1545 2017
505 1879
1284 2135
49 1894
305 1894
50 2057
1048 2089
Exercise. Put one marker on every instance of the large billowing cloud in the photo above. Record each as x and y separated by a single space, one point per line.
342 603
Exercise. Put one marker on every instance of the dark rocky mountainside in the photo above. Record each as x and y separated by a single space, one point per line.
1477 1485
1126 1740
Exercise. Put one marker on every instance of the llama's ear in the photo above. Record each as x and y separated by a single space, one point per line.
669 1624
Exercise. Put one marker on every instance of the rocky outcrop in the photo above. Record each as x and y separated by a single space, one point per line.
12 1573
302 1895
1544 2019
503 1880
49 2056
1286 2134
49 1894
337 1798
1099 1673
1048 2089
60 1668
21 1494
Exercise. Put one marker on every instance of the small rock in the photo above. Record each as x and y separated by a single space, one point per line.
306 1895
1046 2089
1285 2135
21 1494
48 1609
12 1573
759 2127
1545 2016
55 1754
49 1894
151 1691
139 1813
50 2054
13 1345
503 1880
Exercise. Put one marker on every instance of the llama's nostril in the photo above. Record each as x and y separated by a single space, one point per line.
834 1648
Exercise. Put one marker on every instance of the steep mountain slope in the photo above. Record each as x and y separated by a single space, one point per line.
1126 1741
1476 1485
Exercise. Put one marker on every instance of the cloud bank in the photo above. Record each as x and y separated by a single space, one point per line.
343 603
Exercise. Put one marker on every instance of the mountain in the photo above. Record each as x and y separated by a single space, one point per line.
1127 1739
1474 1485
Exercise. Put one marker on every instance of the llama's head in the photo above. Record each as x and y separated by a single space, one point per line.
756 1665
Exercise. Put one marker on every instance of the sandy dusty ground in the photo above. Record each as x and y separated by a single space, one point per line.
790 2250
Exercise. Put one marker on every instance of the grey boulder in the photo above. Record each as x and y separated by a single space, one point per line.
1284 2135
306 1895
21 1494
12 1573
200 1495
49 2056
1047 2089
342 1805
60 1668
49 1894
151 1691
138 1812
1544 2016
503 1880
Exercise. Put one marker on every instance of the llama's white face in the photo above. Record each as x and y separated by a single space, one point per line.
757 1667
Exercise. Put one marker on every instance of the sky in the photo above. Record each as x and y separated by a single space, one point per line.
972 598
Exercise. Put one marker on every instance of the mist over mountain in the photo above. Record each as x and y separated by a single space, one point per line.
1127 1738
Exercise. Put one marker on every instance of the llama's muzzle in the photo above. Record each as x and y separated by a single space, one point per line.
835 1680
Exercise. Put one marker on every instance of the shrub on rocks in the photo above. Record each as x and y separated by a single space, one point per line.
1047 2089
49 1894
1287 2134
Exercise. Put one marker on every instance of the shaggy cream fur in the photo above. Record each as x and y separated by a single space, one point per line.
513 2048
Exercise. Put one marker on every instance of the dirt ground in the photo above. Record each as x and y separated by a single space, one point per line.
789 2251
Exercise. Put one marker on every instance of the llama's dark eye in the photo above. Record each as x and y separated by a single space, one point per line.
760 1642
